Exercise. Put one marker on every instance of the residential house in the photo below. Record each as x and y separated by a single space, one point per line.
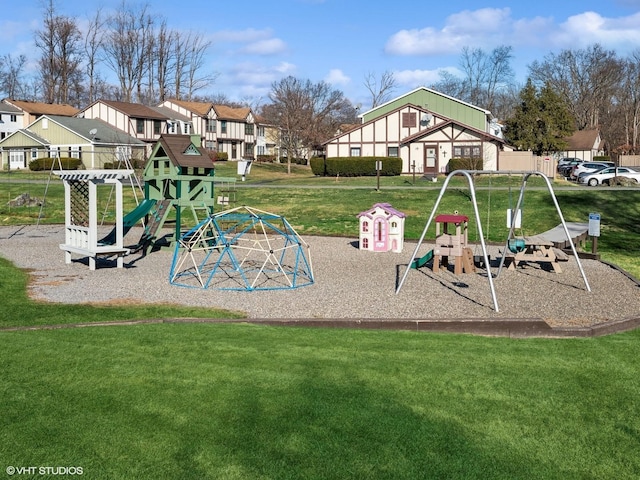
424 137
33 110
93 141
222 128
11 119
584 144
139 121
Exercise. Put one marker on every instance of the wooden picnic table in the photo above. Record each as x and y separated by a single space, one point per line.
536 249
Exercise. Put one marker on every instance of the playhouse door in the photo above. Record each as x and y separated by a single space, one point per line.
380 235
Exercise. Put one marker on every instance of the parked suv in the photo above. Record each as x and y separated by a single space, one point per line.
588 167
565 170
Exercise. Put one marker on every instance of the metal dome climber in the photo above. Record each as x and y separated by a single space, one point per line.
242 249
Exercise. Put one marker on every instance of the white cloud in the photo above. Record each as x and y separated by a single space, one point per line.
417 78
337 77
271 46
490 27
248 35
589 27
460 30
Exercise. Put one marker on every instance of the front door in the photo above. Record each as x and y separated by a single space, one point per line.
380 235
430 160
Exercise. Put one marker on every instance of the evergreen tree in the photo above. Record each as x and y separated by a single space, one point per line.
540 122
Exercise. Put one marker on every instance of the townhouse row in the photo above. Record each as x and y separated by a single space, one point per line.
110 130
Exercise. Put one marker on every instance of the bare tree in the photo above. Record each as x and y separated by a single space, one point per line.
307 114
59 44
380 90
128 46
586 79
11 73
486 73
92 45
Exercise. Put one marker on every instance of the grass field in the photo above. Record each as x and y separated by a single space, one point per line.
249 402
239 401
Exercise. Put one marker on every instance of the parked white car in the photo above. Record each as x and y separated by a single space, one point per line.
603 176
588 167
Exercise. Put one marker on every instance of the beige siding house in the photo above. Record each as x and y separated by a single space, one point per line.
92 141
222 128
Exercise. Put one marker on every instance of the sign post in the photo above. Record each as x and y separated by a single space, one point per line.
378 168
594 231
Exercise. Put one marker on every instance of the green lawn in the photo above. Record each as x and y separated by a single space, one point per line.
255 402
249 402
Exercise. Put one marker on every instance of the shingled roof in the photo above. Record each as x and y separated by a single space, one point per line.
183 152
39 108
584 140
135 110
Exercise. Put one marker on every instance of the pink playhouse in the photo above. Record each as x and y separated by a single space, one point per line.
382 229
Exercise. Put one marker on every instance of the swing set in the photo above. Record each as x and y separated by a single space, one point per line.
513 244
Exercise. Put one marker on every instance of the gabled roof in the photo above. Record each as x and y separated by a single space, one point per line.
446 123
386 207
39 108
183 152
135 110
171 114
357 126
230 113
7 108
104 133
28 134
584 140
435 92
199 108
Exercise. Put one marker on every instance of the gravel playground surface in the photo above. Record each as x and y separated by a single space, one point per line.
349 285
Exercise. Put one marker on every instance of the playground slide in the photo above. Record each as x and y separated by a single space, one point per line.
129 220
422 261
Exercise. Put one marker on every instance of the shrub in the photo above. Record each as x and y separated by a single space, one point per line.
222 156
46 163
601 158
265 158
465 164
356 166
317 166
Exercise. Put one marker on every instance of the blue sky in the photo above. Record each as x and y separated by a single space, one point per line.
254 43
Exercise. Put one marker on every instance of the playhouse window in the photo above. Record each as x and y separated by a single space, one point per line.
365 243
394 225
365 226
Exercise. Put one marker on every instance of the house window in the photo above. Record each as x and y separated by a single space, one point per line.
234 150
14 118
74 152
157 127
123 153
139 125
466 152
248 129
409 120
355 151
261 131
34 153
211 125
392 151
223 126
248 149
210 145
